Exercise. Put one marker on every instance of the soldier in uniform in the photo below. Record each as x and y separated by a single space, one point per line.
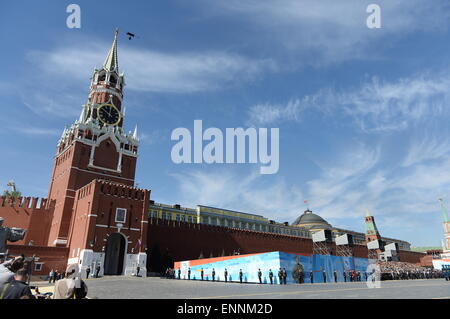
335 275
179 273
260 276
226 275
324 276
201 273
284 276
189 273
311 276
213 275
271 276
280 276
345 276
240 275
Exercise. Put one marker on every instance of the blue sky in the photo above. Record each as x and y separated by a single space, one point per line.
363 113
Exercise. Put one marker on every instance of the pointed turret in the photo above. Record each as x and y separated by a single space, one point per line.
371 228
112 62
82 115
135 134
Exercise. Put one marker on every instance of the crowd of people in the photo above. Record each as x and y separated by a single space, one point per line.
396 270
15 278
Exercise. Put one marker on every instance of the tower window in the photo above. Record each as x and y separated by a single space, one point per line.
113 79
102 77
121 215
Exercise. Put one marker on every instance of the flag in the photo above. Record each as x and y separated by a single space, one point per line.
138 243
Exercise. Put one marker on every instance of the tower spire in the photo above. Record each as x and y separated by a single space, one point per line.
111 63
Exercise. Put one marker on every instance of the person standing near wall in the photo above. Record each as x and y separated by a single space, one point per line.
97 270
284 276
240 275
280 276
50 276
213 274
225 274
271 276
88 271
260 276
55 276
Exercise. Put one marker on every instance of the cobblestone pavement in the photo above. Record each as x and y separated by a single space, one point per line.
157 288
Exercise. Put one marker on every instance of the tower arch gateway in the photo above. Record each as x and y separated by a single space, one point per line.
115 253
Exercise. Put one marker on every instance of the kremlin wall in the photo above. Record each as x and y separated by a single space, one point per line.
96 216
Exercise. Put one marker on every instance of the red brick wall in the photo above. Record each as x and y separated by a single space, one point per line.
52 257
100 199
185 241
30 214
71 172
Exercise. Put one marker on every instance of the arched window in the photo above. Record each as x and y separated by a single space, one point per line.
112 79
102 77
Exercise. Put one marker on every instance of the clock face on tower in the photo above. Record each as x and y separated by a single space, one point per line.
108 114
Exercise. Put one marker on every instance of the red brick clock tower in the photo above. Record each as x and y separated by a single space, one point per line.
93 180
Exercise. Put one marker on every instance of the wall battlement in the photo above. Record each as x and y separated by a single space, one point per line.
222 229
120 190
31 213
34 203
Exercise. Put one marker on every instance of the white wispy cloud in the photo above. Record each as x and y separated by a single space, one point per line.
427 148
243 192
38 131
328 31
337 192
374 106
154 71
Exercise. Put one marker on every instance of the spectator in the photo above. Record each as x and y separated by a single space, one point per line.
396 270
9 268
17 288
55 276
50 276
71 287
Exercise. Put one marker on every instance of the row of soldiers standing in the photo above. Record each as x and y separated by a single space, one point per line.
282 275
351 276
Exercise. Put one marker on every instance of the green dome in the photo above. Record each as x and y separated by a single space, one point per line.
309 219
